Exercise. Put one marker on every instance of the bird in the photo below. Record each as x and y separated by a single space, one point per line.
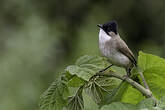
114 48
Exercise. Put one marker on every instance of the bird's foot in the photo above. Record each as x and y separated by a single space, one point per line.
125 77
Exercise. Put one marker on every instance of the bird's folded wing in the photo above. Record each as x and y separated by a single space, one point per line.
123 48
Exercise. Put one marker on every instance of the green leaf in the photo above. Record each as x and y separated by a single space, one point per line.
153 68
115 95
101 86
119 106
146 104
132 95
76 102
155 79
83 73
146 61
94 91
75 82
54 97
86 59
86 66
161 104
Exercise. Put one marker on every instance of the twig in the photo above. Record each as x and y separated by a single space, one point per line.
139 87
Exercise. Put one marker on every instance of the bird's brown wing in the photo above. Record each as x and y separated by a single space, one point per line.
123 48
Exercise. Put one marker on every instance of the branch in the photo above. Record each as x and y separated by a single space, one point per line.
136 85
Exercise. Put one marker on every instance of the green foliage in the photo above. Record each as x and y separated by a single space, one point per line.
147 61
87 66
146 104
153 68
100 86
76 76
118 106
108 92
161 104
76 102
116 94
54 97
75 82
132 95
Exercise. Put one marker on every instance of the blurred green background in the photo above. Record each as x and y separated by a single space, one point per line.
39 38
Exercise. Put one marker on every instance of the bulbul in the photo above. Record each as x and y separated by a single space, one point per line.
114 48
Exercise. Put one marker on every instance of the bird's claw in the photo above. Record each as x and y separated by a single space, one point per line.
125 77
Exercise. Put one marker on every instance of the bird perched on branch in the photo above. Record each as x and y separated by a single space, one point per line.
114 48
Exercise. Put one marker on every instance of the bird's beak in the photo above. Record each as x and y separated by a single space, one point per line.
100 26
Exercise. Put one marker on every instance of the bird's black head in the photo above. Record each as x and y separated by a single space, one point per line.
109 27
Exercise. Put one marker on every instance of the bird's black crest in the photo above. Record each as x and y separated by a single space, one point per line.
110 26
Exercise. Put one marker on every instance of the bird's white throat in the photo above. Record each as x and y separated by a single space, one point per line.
103 37
109 50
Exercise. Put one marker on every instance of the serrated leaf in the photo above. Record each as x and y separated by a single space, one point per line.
99 87
76 102
86 66
95 92
53 97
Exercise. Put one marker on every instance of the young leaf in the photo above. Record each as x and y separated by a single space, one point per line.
76 102
86 66
53 97
99 86
94 91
